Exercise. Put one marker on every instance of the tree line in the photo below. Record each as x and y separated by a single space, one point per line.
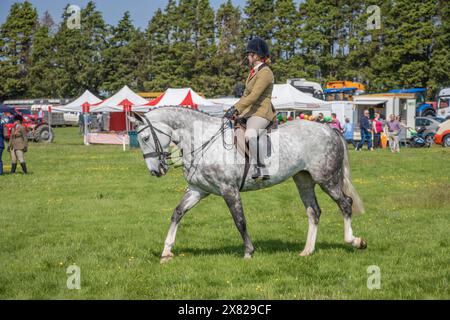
188 43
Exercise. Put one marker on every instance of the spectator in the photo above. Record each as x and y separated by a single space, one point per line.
393 128
2 147
18 144
81 123
335 123
348 132
100 121
366 134
40 115
377 128
320 118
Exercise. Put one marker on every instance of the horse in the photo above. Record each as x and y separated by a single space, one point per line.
309 152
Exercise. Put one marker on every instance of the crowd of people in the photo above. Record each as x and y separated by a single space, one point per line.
372 130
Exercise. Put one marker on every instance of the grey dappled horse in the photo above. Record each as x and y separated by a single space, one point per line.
309 152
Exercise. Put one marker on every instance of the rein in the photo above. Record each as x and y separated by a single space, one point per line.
163 156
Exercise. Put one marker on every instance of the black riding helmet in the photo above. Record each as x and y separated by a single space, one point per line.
258 46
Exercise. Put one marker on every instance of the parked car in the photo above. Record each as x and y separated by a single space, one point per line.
427 126
442 135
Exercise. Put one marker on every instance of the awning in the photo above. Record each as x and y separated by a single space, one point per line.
369 102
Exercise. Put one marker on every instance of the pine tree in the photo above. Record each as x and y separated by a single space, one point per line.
440 55
125 58
229 57
259 20
283 52
160 36
16 38
205 76
78 53
41 76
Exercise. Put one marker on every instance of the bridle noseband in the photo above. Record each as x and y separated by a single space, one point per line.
159 152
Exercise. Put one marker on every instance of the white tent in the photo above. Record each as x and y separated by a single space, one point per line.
185 97
284 97
124 100
86 100
287 97
225 102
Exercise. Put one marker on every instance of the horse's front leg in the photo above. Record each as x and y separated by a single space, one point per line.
233 201
190 199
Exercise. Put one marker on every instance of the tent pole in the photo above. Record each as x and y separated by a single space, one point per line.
127 128
86 128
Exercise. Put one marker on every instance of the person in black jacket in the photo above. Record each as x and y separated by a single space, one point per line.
2 147
366 131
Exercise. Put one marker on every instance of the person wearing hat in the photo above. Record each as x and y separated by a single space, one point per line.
255 107
18 144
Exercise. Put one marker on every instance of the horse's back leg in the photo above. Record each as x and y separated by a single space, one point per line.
189 200
305 185
232 198
335 191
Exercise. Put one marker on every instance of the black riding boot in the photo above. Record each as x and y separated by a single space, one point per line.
260 171
13 167
24 167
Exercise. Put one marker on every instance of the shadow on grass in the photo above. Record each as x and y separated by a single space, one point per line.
271 246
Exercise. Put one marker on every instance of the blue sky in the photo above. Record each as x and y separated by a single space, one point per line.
141 10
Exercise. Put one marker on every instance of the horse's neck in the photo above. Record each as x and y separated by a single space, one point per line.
182 119
186 124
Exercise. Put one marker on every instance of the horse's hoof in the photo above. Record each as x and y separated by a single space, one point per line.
305 253
359 243
166 258
247 256
362 244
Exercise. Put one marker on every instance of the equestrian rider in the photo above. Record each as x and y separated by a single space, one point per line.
255 107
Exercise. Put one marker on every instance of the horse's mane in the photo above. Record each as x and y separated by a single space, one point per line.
201 113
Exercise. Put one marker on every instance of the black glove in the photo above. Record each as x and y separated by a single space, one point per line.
230 112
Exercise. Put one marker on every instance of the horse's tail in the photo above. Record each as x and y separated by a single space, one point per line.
348 188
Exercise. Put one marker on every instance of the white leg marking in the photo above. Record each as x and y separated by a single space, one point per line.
312 233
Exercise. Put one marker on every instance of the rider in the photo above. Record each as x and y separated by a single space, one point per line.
255 108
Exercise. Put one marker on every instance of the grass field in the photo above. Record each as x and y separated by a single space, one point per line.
98 208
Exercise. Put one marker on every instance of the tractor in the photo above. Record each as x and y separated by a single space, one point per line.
38 131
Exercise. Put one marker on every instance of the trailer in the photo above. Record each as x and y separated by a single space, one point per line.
443 103
399 104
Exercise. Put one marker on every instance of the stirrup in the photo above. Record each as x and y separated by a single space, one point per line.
258 175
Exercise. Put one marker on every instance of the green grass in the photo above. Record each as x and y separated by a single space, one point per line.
98 207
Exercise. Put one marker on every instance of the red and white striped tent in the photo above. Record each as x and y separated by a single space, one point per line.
185 97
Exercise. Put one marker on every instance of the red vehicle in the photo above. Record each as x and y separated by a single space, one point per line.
442 136
37 131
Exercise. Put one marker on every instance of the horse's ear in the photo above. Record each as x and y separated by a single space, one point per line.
136 119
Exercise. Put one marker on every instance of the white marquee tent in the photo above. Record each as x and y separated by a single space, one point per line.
86 100
287 97
284 97
124 100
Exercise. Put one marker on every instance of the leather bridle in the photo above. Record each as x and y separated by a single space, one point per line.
158 149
